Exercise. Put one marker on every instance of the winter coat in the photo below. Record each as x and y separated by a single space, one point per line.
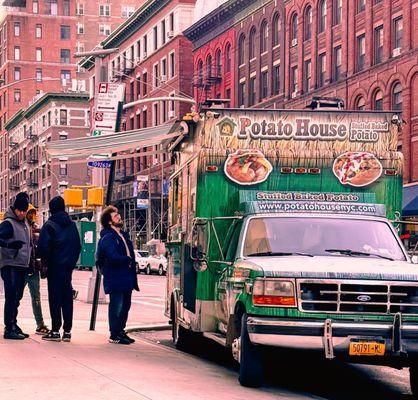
118 269
59 243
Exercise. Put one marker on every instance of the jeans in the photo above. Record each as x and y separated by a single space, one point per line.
119 306
14 284
33 281
60 297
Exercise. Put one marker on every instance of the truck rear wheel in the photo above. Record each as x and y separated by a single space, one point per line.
413 378
179 333
250 361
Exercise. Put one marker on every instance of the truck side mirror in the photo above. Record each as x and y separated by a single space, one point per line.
198 245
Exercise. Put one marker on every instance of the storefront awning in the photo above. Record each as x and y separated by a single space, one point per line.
85 147
410 201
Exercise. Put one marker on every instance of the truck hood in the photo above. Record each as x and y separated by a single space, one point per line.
330 267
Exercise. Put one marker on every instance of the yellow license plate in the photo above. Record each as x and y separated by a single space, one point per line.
367 349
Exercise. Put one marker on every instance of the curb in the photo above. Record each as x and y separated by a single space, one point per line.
145 328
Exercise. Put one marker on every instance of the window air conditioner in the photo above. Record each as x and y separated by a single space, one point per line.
396 52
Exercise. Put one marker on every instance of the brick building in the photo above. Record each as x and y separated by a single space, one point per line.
154 60
52 117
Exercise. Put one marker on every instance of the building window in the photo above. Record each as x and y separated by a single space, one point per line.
17 28
164 68
360 104
307 76
156 76
17 53
104 30
63 169
276 79
338 10
251 44
397 97
145 41
80 29
264 85
361 5
155 112
127 11
308 23
104 10
65 77
163 32
294 81
252 97
38 31
38 54
38 75
228 58
17 96
145 83
66 7
63 117
35 6
171 21
65 56
80 9
263 37
51 7
321 69
218 63
155 37
322 16
17 73
209 66
241 50
378 100
276 30
294 30
361 52
241 94
65 32
172 65
337 63
378 44
397 33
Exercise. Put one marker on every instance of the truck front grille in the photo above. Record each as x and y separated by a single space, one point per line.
349 296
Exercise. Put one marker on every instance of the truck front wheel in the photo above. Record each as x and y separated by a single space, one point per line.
250 360
413 378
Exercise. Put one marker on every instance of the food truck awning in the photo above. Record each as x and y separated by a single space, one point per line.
410 201
112 143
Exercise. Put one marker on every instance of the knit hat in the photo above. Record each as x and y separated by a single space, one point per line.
21 202
56 205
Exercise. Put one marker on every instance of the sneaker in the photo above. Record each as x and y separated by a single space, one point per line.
118 340
18 330
13 335
52 336
42 330
66 337
125 335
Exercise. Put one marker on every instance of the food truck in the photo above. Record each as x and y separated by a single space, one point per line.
283 233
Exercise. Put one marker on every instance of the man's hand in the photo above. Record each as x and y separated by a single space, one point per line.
16 244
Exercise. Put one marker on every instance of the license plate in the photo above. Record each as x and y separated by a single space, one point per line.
363 348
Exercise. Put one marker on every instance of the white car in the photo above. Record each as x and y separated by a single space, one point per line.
141 260
156 263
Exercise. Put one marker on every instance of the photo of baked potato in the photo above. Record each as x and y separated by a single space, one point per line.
357 168
247 167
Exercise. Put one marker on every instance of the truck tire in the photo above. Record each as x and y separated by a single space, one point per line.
148 270
251 366
413 378
179 333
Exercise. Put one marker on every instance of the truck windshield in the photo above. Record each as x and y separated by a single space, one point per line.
320 236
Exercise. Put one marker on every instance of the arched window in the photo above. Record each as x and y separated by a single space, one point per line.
276 29
397 97
209 66
308 23
263 37
251 44
228 58
294 29
200 72
360 103
218 66
322 16
241 50
378 100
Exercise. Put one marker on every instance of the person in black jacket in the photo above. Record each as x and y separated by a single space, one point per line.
116 260
59 247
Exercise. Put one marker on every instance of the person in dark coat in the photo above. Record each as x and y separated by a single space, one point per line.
16 249
59 247
116 261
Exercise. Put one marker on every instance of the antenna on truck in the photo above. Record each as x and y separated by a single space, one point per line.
326 103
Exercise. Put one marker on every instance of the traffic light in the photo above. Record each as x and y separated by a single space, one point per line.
95 197
73 197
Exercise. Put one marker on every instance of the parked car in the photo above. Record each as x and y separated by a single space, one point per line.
141 260
156 263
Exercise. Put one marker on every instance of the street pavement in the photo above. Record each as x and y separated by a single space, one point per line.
91 368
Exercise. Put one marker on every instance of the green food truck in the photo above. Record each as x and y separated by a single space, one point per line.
282 232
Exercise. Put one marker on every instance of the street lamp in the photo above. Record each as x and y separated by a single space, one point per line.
47 79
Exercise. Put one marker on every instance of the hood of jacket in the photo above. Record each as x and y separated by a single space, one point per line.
11 215
61 218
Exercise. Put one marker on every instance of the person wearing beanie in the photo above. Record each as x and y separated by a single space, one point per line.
16 248
59 247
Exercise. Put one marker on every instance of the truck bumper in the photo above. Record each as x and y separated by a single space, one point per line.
333 337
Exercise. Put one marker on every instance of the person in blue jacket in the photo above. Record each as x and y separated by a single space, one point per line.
116 261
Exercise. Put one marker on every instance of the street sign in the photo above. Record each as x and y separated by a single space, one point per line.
100 164
105 121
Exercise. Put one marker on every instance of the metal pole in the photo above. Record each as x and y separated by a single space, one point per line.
162 194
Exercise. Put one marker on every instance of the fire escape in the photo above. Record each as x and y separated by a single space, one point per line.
206 80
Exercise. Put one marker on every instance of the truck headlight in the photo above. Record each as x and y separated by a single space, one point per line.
274 292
